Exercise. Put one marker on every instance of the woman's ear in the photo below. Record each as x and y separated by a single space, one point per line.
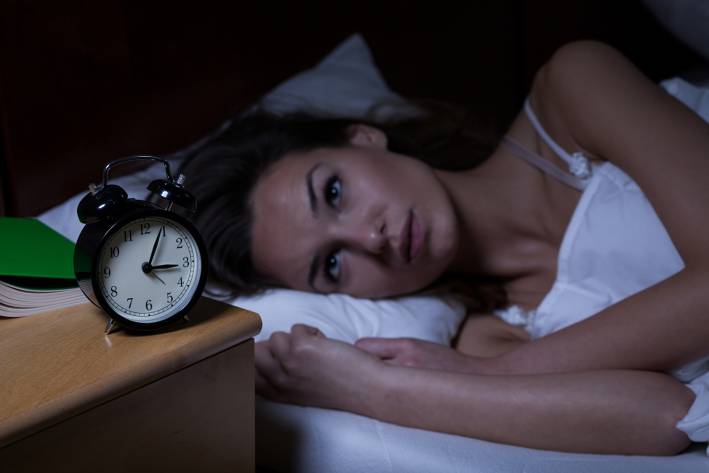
367 136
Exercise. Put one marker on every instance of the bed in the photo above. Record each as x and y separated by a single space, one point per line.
162 114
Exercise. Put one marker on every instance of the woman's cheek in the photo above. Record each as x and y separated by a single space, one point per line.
370 280
390 283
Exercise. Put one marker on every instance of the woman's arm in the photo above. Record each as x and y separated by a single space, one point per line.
622 412
480 336
610 110
487 336
608 412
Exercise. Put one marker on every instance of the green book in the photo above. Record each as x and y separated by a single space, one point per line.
33 255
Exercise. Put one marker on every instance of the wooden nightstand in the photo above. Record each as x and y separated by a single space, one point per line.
73 399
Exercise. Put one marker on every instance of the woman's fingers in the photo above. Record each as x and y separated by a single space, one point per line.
302 330
265 362
263 387
279 358
412 352
280 345
267 369
384 348
305 367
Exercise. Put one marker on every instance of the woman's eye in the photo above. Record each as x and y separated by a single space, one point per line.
333 191
332 267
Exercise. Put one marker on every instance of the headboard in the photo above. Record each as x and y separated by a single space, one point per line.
82 83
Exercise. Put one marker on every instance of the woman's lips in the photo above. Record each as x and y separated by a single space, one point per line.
410 238
416 235
405 238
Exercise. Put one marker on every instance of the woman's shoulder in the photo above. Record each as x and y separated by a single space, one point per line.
579 91
566 74
560 75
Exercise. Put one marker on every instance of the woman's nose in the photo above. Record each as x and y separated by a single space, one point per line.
375 240
370 238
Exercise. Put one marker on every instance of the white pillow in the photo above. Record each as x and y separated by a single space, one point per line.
345 83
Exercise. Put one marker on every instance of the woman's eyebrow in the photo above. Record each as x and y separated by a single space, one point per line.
315 263
311 192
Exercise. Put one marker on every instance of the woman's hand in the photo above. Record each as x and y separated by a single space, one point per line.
416 353
304 367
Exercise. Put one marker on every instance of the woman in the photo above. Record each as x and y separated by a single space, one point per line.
359 218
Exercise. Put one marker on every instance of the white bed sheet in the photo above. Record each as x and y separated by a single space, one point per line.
307 439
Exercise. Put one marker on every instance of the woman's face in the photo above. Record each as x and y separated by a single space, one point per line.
358 220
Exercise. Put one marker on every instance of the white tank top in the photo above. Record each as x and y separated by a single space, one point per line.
614 246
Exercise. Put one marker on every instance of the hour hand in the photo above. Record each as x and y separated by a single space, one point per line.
164 266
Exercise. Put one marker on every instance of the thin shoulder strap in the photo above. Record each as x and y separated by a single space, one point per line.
546 166
578 163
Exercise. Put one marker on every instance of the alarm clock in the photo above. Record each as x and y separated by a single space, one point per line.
141 261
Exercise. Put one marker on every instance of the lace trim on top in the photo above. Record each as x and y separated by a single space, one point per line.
579 164
543 164
515 315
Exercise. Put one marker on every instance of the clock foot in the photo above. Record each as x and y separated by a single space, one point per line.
111 327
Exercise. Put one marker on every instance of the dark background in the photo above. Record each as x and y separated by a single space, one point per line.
84 82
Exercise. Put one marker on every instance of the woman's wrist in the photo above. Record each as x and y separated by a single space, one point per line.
366 389
384 391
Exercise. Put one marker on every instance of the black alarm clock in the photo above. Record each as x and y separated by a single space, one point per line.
141 261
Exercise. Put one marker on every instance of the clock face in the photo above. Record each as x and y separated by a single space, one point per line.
149 269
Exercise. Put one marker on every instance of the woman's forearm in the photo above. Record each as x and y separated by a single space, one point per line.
622 412
657 329
595 411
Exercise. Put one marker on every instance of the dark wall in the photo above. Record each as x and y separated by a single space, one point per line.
84 82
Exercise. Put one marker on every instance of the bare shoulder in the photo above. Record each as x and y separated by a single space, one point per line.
561 79
485 335
589 90
611 109
581 53
573 66
560 87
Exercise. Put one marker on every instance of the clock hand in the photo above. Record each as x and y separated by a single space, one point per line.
155 247
159 278
164 266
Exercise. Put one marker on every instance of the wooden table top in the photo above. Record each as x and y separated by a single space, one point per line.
59 363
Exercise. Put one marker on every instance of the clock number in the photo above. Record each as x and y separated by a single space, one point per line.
185 261
114 252
179 242
107 272
144 228
163 230
114 291
148 305
180 283
169 298
127 235
130 302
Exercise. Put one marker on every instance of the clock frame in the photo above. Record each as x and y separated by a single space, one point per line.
95 236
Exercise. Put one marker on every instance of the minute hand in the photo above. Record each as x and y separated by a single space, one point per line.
155 247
